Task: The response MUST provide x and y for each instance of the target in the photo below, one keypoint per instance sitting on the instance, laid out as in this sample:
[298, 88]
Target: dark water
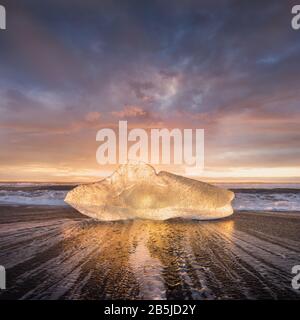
[56, 253]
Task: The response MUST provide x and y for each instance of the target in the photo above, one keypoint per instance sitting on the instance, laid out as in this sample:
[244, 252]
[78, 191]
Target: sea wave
[33, 197]
[275, 200]
[247, 197]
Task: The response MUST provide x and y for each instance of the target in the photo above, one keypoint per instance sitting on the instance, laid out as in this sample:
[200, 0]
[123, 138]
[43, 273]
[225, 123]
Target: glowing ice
[137, 191]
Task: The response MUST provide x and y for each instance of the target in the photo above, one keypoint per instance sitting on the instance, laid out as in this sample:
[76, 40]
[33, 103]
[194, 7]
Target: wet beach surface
[57, 253]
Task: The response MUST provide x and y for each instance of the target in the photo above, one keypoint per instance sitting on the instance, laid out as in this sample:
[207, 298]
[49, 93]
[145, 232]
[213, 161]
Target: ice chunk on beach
[135, 190]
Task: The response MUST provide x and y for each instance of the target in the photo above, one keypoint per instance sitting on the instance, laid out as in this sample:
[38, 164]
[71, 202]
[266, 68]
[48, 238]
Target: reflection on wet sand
[246, 256]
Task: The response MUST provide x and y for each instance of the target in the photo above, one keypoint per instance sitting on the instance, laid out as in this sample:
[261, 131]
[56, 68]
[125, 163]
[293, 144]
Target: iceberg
[137, 191]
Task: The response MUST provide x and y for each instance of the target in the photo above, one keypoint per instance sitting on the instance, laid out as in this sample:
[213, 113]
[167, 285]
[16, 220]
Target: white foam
[256, 199]
[274, 201]
[36, 197]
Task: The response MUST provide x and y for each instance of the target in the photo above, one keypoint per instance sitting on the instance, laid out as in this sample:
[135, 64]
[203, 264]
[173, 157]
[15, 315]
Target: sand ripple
[55, 253]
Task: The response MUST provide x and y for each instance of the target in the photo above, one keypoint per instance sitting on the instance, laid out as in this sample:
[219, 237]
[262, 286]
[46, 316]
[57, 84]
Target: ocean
[258, 197]
[51, 251]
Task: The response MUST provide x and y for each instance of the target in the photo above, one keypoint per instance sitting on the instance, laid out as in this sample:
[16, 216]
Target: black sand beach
[56, 253]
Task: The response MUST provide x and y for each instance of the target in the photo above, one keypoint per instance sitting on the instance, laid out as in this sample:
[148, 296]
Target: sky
[70, 68]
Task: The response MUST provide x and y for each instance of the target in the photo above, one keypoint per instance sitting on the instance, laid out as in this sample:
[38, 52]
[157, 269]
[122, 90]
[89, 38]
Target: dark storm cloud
[200, 63]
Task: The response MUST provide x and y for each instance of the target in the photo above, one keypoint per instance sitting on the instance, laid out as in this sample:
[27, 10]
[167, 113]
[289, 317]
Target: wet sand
[56, 253]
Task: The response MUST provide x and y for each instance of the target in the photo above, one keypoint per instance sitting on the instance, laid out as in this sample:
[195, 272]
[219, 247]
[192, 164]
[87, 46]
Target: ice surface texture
[137, 191]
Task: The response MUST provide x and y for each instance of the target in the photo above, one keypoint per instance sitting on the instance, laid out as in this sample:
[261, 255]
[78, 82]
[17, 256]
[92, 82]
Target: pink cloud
[130, 112]
[92, 116]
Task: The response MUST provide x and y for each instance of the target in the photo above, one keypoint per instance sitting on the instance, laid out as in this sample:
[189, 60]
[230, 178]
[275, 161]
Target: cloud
[67, 71]
[130, 112]
[92, 116]
[140, 89]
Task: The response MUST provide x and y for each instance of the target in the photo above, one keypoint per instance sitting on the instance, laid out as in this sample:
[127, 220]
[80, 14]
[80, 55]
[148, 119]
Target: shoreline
[56, 253]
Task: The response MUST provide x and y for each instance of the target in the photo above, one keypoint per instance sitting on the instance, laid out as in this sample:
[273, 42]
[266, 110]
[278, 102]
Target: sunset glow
[58, 89]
